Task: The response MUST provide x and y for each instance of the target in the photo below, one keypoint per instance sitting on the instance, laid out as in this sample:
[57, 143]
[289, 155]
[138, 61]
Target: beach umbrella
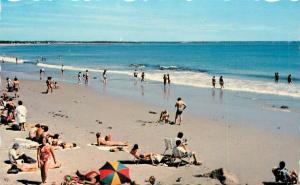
[114, 173]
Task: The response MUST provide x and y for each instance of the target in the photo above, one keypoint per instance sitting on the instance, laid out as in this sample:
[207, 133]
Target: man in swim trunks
[180, 105]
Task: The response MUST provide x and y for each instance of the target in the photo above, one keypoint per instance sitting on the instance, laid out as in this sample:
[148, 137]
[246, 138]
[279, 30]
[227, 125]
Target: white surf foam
[11, 59]
[202, 80]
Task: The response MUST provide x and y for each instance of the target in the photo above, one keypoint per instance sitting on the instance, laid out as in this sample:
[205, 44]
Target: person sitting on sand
[181, 139]
[185, 153]
[146, 156]
[164, 116]
[107, 141]
[284, 175]
[55, 86]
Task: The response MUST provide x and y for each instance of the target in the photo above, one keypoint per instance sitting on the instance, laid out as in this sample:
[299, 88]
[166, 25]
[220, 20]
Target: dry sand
[247, 152]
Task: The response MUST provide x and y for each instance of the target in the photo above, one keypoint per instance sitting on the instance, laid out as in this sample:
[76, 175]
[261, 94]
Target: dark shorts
[179, 112]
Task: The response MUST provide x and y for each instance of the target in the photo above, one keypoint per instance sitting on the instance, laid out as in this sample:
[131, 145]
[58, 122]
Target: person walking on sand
[180, 107]
[20, 115]
[221, 82]
[62, 69]
[49, 84]
[213, 81]
[16, 87]
[289, 79]
[44, 154]
[143, 77]
[104, 75]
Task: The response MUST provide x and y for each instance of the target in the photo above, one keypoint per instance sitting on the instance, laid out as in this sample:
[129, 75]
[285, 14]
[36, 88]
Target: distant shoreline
[9, 43]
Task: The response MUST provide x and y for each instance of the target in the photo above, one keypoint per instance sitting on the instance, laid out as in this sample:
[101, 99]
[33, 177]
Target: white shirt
[21, 113]
[13, 156]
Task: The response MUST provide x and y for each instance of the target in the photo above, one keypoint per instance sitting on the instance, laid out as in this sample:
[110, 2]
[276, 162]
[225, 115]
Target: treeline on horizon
[112, 42]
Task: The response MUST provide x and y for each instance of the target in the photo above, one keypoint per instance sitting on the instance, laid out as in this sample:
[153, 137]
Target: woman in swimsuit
[146, 156]
[44, 154]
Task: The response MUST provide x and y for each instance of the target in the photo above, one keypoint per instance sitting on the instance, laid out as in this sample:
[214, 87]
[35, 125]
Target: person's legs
[45, 171]
[42, 168]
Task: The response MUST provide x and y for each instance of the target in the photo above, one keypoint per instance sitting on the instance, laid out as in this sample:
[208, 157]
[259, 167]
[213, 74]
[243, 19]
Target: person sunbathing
[284, 175]
[146, 156]
[107, 141]
[164, 116]
[184, 152]
[33, 131]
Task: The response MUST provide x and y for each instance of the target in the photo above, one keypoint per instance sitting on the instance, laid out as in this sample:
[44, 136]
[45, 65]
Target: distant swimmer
[289, 79]
[180, 107]
[168, 79]
[135, 74]
[143, 77]
[221, 82]
[165, 79]
[62, 69]
[213, 81]
[42, 70]
[276, 77]
[104, 75]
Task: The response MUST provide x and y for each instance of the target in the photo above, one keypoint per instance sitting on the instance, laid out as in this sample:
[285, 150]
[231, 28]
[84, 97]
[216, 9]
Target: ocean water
[251, 97]
[245, 66]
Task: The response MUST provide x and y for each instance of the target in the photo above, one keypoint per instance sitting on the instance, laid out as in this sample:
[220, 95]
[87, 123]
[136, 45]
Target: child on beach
[21, 114]
[49, 84]
[16, 87]
[164, 116]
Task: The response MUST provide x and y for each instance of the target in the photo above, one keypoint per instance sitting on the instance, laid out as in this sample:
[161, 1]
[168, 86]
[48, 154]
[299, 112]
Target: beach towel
[108, 148]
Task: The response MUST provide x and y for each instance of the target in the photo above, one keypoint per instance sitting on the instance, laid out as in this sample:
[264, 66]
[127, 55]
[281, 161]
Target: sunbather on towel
[186, 152]
[146, 156]
[284, 175]
[107, 141]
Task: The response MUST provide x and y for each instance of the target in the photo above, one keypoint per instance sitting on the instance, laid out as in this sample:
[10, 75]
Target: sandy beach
[247, 152]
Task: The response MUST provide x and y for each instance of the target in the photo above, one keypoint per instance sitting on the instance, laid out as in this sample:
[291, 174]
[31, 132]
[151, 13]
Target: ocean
[247, 68]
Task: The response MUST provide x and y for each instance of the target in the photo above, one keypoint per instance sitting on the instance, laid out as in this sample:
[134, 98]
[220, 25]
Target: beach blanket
[108, 148]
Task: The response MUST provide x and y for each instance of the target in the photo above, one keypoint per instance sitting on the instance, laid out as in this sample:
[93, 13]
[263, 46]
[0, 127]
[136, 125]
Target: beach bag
[13, 170]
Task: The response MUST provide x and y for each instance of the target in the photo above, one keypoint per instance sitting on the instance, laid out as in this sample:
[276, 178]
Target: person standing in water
[221, 82]
[289, 79]
[143, 77]
[168, 79]
[213, 81]
[62, 70]
[180, 107]
[104, 75]
[165, 79]
[135, 74]
[276, 77]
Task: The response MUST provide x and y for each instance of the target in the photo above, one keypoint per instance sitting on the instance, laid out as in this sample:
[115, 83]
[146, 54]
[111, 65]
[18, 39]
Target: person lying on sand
[185, 153]
[164, 116]
[107, 141]
[284, 175]
[146, 156]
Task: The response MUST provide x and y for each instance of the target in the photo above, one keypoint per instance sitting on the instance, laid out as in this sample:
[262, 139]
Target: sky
[150, 20]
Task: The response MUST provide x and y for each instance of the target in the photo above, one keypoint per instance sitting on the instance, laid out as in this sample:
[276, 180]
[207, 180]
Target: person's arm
[52, 153]
[184, 106]
[38, 157]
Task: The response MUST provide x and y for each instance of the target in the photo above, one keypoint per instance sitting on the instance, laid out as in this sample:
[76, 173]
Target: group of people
[276, 78]
[83, 77]
[135, 75]
[13, 86]
[51, 85]
[180, 107]
[166, 78]
[221, 82]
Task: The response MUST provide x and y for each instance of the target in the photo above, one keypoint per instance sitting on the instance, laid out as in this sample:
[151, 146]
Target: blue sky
[150, 20]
